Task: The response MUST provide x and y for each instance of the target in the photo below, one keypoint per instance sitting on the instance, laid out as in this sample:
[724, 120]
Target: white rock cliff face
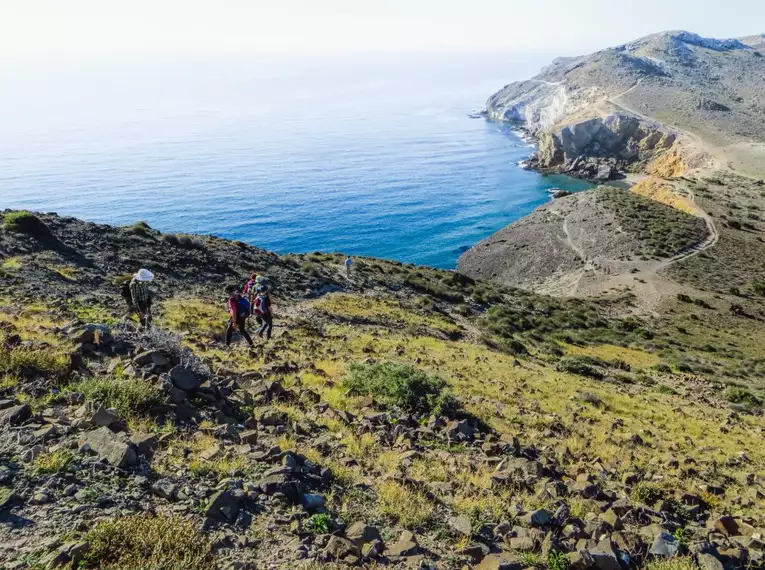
[538, 104]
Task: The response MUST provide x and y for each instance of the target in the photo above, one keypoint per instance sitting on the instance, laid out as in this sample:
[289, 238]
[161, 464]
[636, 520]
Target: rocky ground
[405, 417]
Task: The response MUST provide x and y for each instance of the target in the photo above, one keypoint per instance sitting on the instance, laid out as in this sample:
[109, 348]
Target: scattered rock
[105, 417]
[360, 533]
[222, 506]
[406, 546]
[342, 549]
[500, 562]
[604, 556]
[462, 524]
[165, 488]
[15, 415]
[185, 378]
[109, 447]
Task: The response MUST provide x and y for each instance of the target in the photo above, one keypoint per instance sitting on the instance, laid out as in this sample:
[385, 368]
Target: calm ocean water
[376, 158]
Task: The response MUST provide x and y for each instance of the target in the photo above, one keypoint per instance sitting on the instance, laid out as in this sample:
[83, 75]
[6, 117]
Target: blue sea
[369, 156]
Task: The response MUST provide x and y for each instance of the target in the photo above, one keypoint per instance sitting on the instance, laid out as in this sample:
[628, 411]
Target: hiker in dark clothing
[238, 310]
[141, 295]
[263, 310]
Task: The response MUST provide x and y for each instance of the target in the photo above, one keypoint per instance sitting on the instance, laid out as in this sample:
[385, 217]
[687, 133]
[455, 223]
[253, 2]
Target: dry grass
[149, 543]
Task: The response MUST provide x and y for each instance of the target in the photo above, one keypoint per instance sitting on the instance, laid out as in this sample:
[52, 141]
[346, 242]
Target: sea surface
[368, 156]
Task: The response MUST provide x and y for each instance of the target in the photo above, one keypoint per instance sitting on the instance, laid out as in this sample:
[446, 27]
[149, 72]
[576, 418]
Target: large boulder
[185, 378]
[502, 561]
[109, 447]
[223, 506]
[15, 415]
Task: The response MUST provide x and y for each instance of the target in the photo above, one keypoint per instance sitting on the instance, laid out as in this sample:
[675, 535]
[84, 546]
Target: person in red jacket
[238, 310]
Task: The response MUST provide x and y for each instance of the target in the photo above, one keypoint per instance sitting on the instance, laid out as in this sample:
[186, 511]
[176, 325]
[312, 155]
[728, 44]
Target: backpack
[248, 287]
[126, 294]
[261, 304]
[244, 307]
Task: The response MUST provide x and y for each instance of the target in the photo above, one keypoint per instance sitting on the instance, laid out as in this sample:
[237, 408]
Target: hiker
[249, 289]
[348, 263]
[239, 310]
[141, 295]
[263, 312]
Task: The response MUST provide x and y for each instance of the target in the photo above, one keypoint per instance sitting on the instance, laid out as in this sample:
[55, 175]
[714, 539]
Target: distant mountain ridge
[625, 105]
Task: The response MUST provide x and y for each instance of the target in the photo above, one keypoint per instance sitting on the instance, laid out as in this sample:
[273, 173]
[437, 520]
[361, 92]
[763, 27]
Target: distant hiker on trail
[141, 295]
[348, 263]
[263, 312]
[238, 310]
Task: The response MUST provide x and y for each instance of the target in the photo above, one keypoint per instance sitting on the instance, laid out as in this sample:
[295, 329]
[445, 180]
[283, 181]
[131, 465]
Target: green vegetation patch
[131, 397]
[149, 543]
[400, 385]
[25, 222]
[664, 230]
[738, 395]
[18, 359]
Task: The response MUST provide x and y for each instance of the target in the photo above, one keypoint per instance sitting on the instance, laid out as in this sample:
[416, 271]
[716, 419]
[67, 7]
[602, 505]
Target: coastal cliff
[618, 109]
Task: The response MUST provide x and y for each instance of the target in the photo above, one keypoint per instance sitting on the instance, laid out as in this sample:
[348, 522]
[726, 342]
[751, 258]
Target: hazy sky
[97, 29]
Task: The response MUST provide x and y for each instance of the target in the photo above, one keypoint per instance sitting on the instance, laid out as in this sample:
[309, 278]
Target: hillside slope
[571, 245]
[405, 417]
[624, 106]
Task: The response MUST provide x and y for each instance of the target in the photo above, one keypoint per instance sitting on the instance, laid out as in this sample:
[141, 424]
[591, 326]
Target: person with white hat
[141, 295]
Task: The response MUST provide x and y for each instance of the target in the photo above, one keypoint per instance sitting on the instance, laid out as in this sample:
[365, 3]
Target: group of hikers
[253, 301]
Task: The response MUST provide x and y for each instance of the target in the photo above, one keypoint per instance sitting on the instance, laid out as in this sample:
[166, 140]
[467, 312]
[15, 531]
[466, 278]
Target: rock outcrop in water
[617, 109]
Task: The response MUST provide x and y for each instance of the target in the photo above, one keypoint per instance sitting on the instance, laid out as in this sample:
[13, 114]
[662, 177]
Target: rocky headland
[614, 111]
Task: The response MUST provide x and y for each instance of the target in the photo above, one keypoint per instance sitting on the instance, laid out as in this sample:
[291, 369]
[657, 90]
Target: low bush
[149, 543]
[646, 493]
[17, 360]
[320, 523]
[52, 462]
[129, 396]
[183, 241]
[738, 395]
[141, 229]
[309, 269]
[400, 385]
[581, 365]
[25, 222]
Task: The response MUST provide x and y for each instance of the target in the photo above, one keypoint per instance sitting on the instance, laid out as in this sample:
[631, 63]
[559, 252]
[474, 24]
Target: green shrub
[129, 396]
[646, 493]
[759, 288]
[580, 365]
[557, 561]
[25, 222]
[149, 543]
[683, 298]
[141, 229]
[738, 395]
[15, 360]
[678, 563]
[664, 389]
[320, 523]
[309, 269]
[400, 385]
[183, 241]
[52, 462]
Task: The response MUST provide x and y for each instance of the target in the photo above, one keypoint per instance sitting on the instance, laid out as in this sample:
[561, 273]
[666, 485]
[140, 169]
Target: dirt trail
[643, 278]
